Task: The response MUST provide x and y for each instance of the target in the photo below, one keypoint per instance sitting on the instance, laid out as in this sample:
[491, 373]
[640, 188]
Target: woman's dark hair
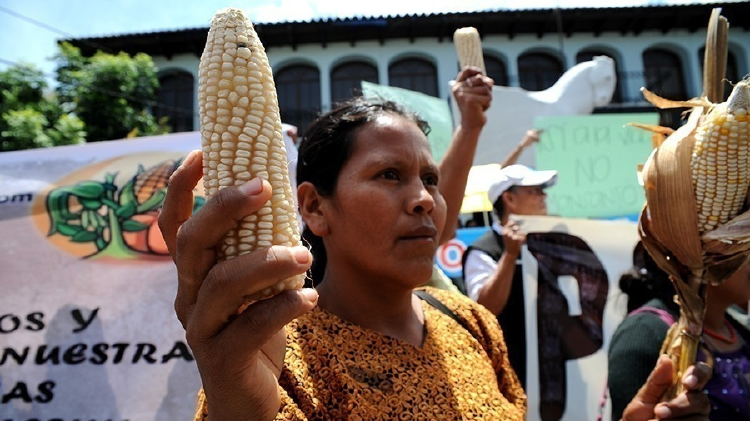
[646, 281]
[327, 145]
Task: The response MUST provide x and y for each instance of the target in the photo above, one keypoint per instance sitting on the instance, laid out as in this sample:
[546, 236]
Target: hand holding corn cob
[696, 222]
[242, 138]
[239, 355]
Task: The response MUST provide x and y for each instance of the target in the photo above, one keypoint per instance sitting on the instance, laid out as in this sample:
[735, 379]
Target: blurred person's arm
[490, 286]
[529, 138]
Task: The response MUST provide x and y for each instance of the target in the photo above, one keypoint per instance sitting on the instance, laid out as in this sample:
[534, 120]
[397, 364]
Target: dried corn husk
[692, 254]
[670, 232]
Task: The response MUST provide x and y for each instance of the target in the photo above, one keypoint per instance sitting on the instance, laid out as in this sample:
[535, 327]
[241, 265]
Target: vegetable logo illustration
[113, 216]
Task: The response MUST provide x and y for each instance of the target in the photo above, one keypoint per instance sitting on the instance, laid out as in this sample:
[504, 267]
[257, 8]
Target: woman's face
[386, 213]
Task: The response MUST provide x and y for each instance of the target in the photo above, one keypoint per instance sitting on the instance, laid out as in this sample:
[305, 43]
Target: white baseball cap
[519, 175]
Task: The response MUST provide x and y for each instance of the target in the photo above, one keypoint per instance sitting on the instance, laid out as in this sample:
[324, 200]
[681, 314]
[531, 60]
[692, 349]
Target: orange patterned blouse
[335, 370]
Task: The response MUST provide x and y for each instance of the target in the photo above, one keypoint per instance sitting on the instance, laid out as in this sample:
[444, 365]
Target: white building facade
[320, 62]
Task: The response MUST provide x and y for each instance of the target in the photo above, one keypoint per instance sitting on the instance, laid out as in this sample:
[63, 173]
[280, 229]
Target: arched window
[589, 55]
[497, 70]
[298, 88]
[346, 79]
[663, 76]
[414, 74]
[732, 75]
[538, 71]
[176, 100]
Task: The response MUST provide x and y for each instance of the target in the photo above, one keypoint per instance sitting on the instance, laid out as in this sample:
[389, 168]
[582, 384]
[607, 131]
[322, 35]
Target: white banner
[87, 327]
[571, 270]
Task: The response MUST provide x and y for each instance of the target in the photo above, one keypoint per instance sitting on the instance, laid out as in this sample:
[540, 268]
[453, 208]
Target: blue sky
[29, 29]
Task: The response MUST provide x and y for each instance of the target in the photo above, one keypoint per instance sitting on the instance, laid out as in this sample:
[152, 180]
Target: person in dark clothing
[652, 309]
[491, 265]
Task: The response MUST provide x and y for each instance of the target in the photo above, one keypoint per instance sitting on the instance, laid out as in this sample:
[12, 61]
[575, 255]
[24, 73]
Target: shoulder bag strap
[431, 300]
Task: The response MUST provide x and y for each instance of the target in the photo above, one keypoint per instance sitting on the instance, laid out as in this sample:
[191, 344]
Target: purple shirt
[729, 387]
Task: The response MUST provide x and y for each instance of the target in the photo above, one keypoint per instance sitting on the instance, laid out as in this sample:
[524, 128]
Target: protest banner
[87, 325]
[597, 158]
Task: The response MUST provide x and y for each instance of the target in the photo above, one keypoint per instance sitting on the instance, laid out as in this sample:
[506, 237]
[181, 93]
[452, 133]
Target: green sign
[433, 110]
[597, 158]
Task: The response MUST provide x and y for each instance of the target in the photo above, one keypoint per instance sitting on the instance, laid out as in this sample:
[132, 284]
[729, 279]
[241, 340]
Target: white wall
[626, 49]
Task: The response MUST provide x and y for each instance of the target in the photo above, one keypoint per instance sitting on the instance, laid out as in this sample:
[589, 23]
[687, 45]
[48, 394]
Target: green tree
[29, 117]
[112, 94]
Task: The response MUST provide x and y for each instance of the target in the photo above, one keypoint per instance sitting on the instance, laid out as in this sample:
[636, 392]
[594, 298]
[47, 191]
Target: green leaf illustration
[153, 202]
[126, 211]
[91, 204]
[198, 203]
[126, 194]
[68, 230]
[133, 226]
[84, 237]
[88, 190]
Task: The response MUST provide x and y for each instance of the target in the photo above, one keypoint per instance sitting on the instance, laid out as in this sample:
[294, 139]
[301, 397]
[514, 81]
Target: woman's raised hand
[473, 95]
[239, 354]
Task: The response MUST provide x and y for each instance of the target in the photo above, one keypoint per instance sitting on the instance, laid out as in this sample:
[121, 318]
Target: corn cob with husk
[469, 48]
[696, 223]
[242, 137]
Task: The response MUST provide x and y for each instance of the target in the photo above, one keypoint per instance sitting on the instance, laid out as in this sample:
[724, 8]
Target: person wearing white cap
[491, 265]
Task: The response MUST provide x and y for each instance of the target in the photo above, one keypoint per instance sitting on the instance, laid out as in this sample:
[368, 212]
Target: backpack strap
[664, 315]
[431, 300]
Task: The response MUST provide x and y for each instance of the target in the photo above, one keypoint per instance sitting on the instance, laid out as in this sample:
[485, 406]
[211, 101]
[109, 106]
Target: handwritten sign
[597, 157]
[434, 111]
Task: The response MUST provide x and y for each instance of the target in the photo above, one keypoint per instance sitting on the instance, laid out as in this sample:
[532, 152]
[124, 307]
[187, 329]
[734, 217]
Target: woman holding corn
[362, 346]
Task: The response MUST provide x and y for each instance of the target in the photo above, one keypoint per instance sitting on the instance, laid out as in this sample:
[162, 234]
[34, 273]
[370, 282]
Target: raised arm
[473, 95]
[529, 138]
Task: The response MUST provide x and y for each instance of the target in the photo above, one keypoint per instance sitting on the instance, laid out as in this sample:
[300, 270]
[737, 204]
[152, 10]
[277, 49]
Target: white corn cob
[242, 138]
[469, 48]
[721, 161]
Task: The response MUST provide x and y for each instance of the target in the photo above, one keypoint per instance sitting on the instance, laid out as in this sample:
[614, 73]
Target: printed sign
[597, 157]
